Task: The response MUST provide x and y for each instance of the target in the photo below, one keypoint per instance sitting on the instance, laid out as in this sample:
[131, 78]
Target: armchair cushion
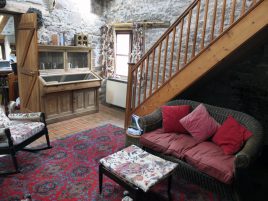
[171, 117]
[4, 121]
[3, 137]
[23, 131]
[231, 136]
[20, 132]
[200, 124]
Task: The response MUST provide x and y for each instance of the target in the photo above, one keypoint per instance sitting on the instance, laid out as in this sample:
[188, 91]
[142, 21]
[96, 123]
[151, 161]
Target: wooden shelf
[57, 47]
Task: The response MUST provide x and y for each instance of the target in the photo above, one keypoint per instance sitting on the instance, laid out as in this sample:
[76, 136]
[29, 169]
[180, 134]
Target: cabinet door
[78, 59]
[90, 98]
[51, 60]
[85, 100]
[58, 104]
[65, 102]
[78, 101]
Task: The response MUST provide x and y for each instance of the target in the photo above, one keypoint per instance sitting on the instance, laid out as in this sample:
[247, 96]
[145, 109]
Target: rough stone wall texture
[71, 17]
[145, 10]
[119, 11]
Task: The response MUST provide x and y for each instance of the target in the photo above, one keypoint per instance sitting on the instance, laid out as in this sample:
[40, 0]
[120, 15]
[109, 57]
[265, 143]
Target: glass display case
[64, 57]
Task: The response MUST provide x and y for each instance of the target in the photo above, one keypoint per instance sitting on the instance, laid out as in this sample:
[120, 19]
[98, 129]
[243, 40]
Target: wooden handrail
[156, 67]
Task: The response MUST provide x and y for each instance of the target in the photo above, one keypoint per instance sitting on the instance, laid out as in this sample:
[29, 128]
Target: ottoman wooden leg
[169, 187]
[100, 178]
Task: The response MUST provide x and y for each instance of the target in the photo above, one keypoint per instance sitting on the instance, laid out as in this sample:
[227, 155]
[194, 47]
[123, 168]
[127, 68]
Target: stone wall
[71, 17]
[118, 11]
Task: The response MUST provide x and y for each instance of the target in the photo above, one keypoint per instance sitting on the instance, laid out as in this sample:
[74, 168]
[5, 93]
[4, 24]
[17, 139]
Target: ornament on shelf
[80, 40]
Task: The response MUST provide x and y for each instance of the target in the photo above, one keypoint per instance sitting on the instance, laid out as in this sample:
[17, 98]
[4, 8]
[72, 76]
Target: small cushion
[209, 158]
[171, 116]
[231, 136]
[199, 123]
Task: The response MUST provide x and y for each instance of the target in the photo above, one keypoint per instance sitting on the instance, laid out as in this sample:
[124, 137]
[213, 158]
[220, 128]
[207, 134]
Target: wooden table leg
[100, 177]
[169, 187]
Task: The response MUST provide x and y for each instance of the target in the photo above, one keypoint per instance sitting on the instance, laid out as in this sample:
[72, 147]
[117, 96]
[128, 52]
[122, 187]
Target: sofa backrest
[219, 114]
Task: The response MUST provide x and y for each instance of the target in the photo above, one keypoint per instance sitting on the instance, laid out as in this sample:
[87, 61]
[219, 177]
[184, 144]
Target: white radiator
[116, 92]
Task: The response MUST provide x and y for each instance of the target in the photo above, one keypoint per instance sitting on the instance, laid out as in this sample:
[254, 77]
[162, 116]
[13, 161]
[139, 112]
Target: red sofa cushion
[180, 145]
[209, 158]
[158, 140]
[171, 116]
[231, 136]
[167, 143]
[200, 124]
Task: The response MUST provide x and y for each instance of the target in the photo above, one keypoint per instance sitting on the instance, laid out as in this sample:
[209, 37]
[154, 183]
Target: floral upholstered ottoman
[136, 170]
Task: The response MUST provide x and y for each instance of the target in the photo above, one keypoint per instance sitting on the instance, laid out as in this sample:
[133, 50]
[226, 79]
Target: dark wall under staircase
[240, 82]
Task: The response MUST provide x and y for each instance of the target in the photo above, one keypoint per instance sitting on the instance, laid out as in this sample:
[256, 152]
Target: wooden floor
[106, 114]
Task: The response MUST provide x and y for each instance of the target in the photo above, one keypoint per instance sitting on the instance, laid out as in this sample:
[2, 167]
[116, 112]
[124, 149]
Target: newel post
[129, 94]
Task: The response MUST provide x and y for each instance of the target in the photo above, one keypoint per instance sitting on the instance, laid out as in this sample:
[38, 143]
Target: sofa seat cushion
[180, 145]
[209, 158]
[168, 143]
[157, 140]
[25, 130]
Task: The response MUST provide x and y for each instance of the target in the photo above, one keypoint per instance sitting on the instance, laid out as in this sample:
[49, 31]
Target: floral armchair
[19, 130]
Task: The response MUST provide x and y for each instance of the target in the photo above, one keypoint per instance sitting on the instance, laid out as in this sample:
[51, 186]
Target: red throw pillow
[231, 136]
[200, 124]
[171, 116]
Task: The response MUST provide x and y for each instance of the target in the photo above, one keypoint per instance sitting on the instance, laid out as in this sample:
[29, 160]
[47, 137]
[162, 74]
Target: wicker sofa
[243, 159]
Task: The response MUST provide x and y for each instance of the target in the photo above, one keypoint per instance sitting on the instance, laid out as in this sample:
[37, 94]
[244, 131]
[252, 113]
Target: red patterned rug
[69, 171]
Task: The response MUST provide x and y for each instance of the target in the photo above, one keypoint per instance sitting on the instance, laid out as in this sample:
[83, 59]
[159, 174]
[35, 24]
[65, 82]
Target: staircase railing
[202, 23]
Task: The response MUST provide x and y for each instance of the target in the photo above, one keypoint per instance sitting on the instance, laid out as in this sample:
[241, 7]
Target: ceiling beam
[13, 7]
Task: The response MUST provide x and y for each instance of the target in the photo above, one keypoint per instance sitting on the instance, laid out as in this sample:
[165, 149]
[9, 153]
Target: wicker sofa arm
[34, 116]
[151, 121]
[252, 148]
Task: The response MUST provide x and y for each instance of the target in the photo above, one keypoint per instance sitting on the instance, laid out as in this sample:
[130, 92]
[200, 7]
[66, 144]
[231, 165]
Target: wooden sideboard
[63, 99]
[68, 87]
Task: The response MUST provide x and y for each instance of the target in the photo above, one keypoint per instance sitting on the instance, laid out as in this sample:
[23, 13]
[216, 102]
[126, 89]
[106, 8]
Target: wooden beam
[159, 24]
[206, 60]
[22, 7]
[3, 22]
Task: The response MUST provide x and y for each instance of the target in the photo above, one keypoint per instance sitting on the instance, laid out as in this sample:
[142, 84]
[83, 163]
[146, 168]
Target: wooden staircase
[206, 33]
